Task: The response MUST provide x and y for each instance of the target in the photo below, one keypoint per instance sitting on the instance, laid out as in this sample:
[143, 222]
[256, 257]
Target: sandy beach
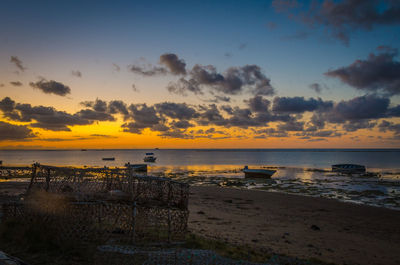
[292, 225]
[300, 226]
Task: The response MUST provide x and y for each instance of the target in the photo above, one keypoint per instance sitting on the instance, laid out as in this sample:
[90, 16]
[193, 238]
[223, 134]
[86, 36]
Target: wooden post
[34, 165]
[48, 179]
[133, 221]
[169, 224]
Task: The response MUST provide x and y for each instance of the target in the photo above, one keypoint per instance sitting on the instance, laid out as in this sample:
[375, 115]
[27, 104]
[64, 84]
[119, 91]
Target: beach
[297, 226]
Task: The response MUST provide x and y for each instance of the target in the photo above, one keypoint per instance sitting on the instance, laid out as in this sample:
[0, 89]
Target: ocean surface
[299, 171]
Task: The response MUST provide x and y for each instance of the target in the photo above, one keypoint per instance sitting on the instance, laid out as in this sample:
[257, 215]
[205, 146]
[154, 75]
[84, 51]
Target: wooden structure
[102, 204]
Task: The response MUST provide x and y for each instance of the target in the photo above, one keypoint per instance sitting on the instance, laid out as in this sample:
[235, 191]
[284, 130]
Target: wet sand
[293, 225]
[299, 226]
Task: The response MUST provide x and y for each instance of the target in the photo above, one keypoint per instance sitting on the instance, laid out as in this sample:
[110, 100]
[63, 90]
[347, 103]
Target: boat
[149, 157]
[137, 167]
[258, 173]
[348, 168]
[108, 158]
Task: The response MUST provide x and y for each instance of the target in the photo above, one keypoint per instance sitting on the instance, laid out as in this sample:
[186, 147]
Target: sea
[298, 171]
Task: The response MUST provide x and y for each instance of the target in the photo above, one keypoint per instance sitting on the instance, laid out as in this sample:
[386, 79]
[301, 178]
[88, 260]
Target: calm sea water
[315, 158]
[299, 171]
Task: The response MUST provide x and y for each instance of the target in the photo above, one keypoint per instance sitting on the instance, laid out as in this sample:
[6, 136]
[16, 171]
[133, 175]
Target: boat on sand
[348, 169]
[258, 173]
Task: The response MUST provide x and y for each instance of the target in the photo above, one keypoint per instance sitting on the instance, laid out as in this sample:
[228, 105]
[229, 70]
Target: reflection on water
[380, 190]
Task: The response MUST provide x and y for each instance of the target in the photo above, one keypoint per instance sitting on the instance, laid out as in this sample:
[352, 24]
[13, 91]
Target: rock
[315, 228]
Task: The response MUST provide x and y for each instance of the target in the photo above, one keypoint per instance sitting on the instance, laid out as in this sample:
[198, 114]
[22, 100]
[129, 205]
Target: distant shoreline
[228, 149]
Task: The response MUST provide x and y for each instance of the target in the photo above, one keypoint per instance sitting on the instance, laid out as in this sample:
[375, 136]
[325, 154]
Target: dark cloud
[299, 104]
[143, 117]
[258, 104]
[117, 106]
[10, 131]
[176, 110]
[92, 115]
[385, 126]
[18, 63]
[291, 126]
[134, 88]
[358, 108]
[235, 80]
[76, 73]
[341, 18]
[16, 83]
[147, 71]
[357, 125]
[183, 124]
[379, 72]
[175, 65]
[182, 86]
[49, 118]
[316, 87]
[51, 87]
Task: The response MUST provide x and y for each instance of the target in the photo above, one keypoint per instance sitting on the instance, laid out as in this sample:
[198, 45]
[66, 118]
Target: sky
[200, 74]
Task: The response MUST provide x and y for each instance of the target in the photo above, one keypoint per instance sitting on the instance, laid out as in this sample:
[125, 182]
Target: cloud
[341, 18]
[235, 80]
[385, 126]
[147, 71]
[258, 104]
[49, 118]
[242, 46]
[51, 87]
[378, 73]
[134, 88]
[316, 87]
[18, 63]
[299, 104]
[182, 86]
[117, 106]
[179, 111]
[359, 108]
[175, 65]
[143, 117]
[284, 5]
[116, 67]
[16, 83]
[10, 131]
[76, 73]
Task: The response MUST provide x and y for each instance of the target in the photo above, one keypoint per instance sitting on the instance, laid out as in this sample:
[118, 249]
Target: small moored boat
[149, 157]
[348, 168]
[108, 158]
[258, 173]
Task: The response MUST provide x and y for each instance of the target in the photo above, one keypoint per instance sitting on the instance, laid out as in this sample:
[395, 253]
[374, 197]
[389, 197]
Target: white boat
[348, 168]
[258, 173]
[149, 157]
